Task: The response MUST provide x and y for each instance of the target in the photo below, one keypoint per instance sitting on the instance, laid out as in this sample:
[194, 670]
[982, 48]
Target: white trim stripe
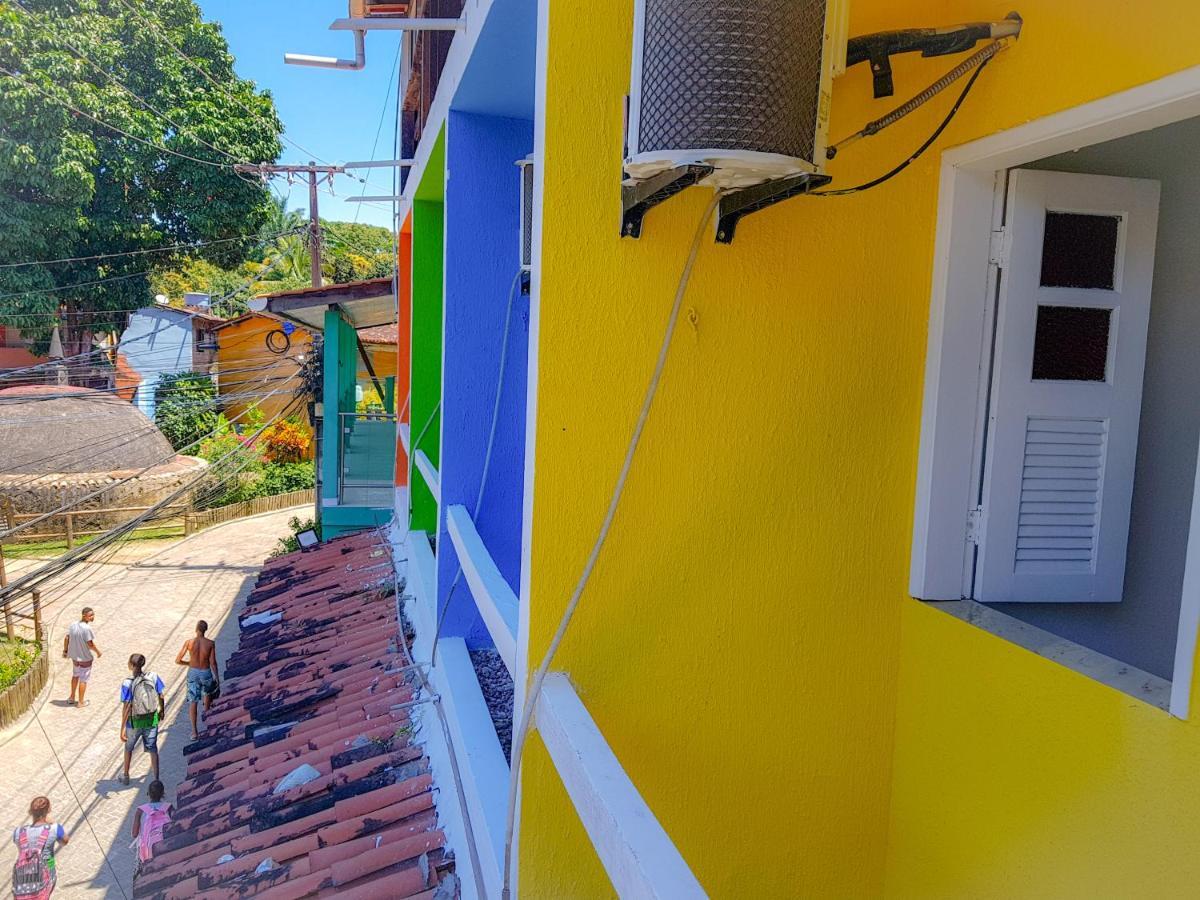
[495, 599]
[432, 480]
[638, 855]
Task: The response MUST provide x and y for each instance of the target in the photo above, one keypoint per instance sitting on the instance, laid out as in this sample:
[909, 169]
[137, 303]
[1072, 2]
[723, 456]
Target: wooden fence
[20, 696]
[69, 532]
[193, 522]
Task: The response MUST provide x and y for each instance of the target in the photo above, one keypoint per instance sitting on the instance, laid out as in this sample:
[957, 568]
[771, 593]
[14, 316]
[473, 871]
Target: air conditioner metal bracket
[739, 204]
[639, 198]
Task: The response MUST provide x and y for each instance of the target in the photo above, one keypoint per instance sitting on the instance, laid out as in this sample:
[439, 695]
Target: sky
[332, 113]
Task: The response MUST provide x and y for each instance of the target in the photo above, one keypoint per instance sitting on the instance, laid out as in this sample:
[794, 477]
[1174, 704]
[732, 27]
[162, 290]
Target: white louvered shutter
[1073, 312]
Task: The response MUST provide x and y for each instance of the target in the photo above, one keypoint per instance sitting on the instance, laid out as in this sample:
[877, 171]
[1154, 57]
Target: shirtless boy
[199, 654]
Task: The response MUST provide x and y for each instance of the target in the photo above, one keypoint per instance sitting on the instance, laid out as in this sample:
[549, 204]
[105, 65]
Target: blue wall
[156, 341]
[482, 257]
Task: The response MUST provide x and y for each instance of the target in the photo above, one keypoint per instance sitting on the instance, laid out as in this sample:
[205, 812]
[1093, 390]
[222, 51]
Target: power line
[112, 78]
[94, 494]
[64, 562]
[153, 26]
[379, 127]
[82, 284]
[192, 246]
[90, 117]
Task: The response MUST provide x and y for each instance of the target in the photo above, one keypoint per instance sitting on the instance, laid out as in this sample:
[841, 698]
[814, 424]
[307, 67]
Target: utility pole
[314, 225]
[315, 174]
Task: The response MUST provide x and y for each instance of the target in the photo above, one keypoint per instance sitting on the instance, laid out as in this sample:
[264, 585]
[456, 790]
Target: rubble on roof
[307, 781]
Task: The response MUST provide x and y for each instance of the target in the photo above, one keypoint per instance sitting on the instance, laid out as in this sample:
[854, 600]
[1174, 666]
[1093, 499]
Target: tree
[279, 261]
[72, 185]
[185, 407]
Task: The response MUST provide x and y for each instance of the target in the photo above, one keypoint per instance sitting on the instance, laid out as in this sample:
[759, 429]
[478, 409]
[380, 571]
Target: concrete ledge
[1108, 671]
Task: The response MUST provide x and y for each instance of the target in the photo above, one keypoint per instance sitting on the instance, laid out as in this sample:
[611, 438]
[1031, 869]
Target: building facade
[905, 574]
[259, 357]
[165, 340]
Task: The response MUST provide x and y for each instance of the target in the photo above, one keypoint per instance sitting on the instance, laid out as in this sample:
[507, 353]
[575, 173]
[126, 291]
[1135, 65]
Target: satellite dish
[162, 299]
[257, 304]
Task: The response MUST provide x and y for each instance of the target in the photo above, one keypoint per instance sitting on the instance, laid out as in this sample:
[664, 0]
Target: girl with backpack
[142, 699]
[149, 821]
[34, 875]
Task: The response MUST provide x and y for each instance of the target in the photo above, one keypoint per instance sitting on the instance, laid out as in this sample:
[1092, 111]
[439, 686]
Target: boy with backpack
[149, 822]
[35, 874]
[142, 696]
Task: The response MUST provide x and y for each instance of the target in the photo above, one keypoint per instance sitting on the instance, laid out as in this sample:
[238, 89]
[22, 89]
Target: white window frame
[957, 360]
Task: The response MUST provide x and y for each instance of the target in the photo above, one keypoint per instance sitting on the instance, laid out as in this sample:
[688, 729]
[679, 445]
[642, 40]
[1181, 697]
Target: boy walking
[199, 654]
[79, 646]
[142, 697]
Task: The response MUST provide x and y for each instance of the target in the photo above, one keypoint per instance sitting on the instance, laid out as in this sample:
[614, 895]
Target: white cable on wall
[487, 456]
[539, 677]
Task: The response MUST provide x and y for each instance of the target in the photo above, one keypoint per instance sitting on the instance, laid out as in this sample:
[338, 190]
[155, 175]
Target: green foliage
[245, 472]
[283, 478]
[16, 658]
[281, 262]
[290, 544]
[183, 407]
[71, 186]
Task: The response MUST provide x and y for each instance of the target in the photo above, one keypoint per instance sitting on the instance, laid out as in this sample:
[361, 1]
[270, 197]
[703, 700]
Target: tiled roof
[379, 334]
[318, 680]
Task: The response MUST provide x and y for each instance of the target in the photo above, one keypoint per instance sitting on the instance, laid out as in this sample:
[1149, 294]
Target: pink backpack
[155, 818]
[31, 875]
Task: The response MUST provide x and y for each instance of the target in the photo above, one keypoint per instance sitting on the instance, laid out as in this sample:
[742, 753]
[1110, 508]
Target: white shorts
[83, 673]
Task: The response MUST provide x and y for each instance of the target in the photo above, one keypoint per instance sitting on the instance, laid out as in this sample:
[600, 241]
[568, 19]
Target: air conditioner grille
[527, 215]
[732, 74]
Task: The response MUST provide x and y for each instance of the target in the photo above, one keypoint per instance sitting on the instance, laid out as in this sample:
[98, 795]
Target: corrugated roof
[323, 685]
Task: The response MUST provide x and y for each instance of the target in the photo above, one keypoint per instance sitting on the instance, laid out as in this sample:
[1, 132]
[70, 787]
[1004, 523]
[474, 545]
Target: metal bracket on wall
[639, 198]
[738, 204]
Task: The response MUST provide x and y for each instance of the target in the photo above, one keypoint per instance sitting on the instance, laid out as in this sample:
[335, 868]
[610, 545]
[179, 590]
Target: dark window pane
[1071, 343]
[1080, 251]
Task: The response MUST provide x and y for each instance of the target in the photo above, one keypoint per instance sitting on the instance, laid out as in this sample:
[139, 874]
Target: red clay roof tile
[316, 687]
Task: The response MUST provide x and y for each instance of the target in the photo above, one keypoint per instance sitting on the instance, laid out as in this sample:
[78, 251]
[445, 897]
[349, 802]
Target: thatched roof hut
[59, 429]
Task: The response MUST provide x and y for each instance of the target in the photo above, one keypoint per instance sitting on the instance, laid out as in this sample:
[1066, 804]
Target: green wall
[427, 256]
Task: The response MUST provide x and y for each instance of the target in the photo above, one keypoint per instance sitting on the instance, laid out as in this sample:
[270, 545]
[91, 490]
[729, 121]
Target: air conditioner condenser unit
[742, 86]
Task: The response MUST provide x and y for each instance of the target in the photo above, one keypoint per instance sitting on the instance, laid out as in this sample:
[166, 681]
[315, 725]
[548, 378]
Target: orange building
[14, 350]
[258, 361]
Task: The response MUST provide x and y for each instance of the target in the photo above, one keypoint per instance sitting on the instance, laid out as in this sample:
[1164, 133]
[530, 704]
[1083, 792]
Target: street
[150, 607]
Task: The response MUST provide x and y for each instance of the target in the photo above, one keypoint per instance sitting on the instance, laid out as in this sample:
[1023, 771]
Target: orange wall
[241, 348]
[403, 341]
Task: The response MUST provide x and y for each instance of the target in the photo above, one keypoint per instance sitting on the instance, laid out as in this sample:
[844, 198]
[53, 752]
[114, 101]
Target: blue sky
[332, 113]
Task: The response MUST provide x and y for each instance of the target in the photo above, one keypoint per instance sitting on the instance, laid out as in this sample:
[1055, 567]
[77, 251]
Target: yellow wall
[1016, 777]
[383, 361]
[241, 348]
[740, 643]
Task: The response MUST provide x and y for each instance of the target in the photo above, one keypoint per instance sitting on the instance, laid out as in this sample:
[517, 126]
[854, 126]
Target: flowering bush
[284, 442]
[245, 467]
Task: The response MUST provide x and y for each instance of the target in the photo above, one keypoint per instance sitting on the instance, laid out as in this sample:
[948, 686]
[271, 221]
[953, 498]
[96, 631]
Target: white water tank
[742, 85]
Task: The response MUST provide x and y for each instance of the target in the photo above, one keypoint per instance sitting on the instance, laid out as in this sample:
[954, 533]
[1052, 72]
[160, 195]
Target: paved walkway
[149, 608]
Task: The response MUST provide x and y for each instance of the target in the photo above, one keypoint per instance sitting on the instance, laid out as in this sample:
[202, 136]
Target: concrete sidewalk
[148, 608]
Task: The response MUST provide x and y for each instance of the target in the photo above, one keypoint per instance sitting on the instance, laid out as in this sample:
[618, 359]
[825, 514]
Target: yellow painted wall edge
[740, 645]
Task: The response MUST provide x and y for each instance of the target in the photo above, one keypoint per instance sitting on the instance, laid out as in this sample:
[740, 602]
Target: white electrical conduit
[535, 687]
[487, 456]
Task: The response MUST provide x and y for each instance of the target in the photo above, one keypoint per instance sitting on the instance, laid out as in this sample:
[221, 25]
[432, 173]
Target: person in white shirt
[79, 646]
